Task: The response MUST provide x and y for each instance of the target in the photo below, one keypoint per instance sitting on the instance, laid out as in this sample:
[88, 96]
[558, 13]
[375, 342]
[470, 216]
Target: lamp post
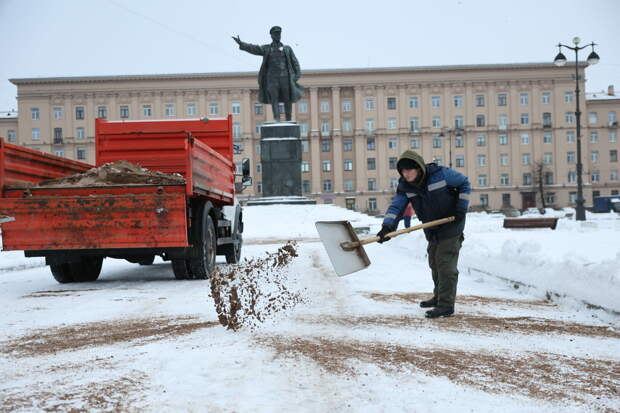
[560, 60]
[456, 131]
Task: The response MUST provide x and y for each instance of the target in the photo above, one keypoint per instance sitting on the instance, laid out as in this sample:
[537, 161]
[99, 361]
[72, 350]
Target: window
[370, 144]
[503, 139]
[506, 200]
[391, 123]
[370, 104]
[324, 106]
[436, 122]
[595, 176]
[259, 168]
[124, 111]
[525, 139]
[59, 152]
[612, 136]
[305, 166]
[57, 113]
[570, 157]
[415, 142]
[393, 183]
[257, 147]
[503, 122]
[348, 165]
[169, 109]
[35, 114]
[413, 102]
[326, 145]
[236, 130]
[57, 136]
[327, 166]
[458, 101]
[236, 108]
[80, 153]
[436, 141]
[570, 137]
[393, 143]
[414, 124]
[305, 146]
[525, 119]
[460, 161]
[347, 145]
[546, 119]
[572, 177]
[484, 200]
[190, 109]
[592, 117]
[372, 204]
[302, 106]
[613, 175]
[391, 103]
[568, 117]
[392, 162]
[348, 185]
[547, 158]
[524, 98]
[238, 149]
[347, 106]
[371, 164]
[372, 184]
[546, 98]
[303, 129]
[147, 111]
[370, 126]
[502, 99]
[482, 180]
[527, 178]
[79, 113]
[568, 97]
[435, 101]
[36, 134]
[324, 127]
[613, 155]
[480, 121]
[346, 125]
[504, 180]
[458, 141]
[213, 109]
[258, 109]
[481, 140]
[305, 186]
[259, 187]
[327, 185]
[593, 136]
[480, 100]
[525, 159]
[547, 138]
[611, 117]
[503, 159]
[550, 198]
[548, 178]
[102, 112]
[482, 160]
[11, 136]
[80, 133]
[459, 122]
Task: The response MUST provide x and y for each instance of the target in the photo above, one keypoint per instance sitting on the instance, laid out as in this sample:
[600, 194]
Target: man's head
[276, 33]
[411, 167]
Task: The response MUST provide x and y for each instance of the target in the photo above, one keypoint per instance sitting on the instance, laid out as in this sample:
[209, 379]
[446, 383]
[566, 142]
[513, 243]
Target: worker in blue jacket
[435, 192]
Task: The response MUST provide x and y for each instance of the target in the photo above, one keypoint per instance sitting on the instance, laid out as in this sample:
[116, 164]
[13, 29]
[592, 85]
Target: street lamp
[456, 131]
[560, 60]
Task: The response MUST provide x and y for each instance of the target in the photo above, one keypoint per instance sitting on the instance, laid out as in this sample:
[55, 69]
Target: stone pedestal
[280, 149]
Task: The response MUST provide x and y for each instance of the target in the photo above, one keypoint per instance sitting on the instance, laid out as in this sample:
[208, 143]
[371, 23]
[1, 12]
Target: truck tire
[205, 245]
[233, 251]
[181, 270]
[85, 270]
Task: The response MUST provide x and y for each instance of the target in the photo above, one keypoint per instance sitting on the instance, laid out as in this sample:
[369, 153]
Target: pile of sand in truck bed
[113, 174]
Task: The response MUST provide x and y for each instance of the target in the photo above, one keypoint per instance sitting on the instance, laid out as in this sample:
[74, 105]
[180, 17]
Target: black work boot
[440, 312]
[429, 303]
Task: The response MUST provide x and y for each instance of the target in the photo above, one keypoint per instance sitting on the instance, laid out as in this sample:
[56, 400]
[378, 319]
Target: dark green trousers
[443, 257]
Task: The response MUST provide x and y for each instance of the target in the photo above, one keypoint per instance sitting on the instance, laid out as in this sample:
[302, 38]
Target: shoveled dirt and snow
[537, 327]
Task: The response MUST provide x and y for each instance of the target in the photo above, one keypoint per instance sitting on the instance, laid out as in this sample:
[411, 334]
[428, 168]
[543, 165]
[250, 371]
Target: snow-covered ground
[139, 340]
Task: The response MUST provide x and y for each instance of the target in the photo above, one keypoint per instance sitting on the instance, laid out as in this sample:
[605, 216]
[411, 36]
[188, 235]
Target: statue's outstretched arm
[248, 47]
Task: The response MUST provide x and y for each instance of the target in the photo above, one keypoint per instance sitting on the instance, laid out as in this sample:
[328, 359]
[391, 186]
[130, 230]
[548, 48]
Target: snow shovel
[346, 251]
[4, 218]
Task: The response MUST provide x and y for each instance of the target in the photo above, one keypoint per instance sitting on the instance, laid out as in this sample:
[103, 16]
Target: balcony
[58, 141]
[547, 125]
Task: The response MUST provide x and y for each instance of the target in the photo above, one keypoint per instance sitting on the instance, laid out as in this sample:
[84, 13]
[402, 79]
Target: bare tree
[538, 173]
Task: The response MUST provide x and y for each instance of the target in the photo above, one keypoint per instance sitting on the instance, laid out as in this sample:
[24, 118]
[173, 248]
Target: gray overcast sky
[43, 38]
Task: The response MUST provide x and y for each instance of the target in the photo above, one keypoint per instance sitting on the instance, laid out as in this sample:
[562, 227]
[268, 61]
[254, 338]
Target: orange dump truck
[188, 221]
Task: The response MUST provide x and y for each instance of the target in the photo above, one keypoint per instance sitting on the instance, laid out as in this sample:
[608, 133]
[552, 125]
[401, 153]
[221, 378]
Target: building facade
[510, 127]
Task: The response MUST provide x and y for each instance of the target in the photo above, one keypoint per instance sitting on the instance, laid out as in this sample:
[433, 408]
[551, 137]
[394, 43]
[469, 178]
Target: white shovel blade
[4, 218]
[334, 233]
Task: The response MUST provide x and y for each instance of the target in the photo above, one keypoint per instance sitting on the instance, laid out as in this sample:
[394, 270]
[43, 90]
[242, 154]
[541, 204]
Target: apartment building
[508, 127]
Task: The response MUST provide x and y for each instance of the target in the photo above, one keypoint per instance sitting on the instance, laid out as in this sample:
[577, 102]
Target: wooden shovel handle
[404, 231]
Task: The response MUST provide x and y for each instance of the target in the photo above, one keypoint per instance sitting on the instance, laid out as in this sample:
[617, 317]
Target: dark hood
[417, 158]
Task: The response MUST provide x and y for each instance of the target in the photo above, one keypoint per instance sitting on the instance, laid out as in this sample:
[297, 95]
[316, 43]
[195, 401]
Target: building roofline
[169, 76]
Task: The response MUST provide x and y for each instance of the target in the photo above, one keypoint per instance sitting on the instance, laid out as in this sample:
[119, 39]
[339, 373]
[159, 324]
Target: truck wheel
[233, 251]
[61, 273]
[204, 242]
[87, 269]
[181, 270]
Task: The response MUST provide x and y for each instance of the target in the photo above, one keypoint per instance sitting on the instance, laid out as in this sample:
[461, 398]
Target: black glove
[385, 229]
[459, 216]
